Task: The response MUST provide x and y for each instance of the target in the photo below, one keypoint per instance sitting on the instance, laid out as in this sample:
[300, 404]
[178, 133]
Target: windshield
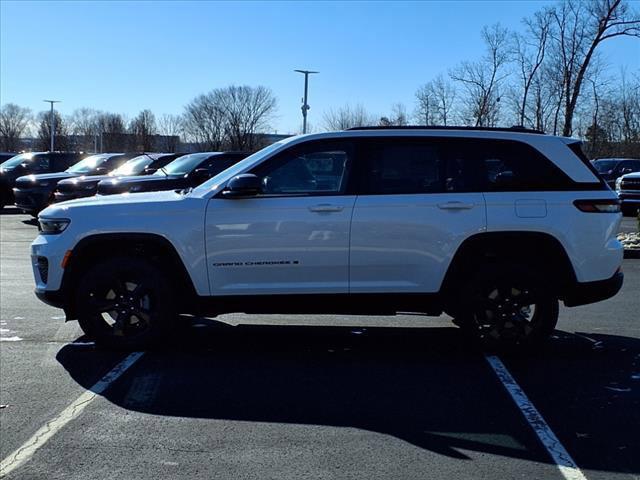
[238, 167]
[134, 166]
[603, 166]
[13, 162]
[183, 165]
[88, 164]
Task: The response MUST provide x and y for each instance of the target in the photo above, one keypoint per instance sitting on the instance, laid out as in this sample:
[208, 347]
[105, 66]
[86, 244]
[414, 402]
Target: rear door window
[397, 166]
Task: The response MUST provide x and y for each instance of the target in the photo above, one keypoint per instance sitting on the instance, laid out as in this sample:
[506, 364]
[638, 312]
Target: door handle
[326, 207]
[455, 206]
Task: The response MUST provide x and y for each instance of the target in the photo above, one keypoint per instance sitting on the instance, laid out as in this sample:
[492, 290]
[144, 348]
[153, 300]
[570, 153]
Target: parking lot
[293, 397]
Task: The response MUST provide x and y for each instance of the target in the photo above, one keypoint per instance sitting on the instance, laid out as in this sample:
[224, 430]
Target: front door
[294, 236]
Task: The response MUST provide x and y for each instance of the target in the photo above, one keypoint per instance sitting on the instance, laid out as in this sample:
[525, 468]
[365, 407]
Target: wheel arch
[535, 249]
[152, 247]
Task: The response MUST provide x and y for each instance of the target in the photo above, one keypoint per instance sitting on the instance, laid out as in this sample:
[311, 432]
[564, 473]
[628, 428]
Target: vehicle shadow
[10, 211]
[426, 386]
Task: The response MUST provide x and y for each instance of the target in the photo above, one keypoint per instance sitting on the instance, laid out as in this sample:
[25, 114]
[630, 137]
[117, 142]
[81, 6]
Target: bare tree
[348, 117]
[230, 118]
[529, 50]
[143, 128]
[83, 123]
[14, 122]
[61, 141]
[397, 118]
[112, 131]
[247, 112]
[170, 126]
[579, 29]
[204, 122]
[435, 101]
[482, 79]
[629, 109]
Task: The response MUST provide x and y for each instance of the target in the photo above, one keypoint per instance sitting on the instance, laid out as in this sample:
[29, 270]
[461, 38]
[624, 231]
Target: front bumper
[629, 197]
[50, 297]
[583, 293]
[31, 200]
[64, 196]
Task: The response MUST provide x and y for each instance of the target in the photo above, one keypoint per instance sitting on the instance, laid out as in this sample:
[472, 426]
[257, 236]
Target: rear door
[416, 204]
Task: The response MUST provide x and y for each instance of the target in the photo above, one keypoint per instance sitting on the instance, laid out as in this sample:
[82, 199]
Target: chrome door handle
[325, 207]
[455, 206]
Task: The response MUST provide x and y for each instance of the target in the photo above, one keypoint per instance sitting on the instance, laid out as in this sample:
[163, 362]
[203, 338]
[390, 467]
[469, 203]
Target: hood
[142, 179]
[84, 179]
[72, 184]
[43, 177]
[629, 176]
[62, 209]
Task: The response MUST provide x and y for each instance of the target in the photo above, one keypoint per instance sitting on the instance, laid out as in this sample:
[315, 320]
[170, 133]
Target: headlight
[53, 226]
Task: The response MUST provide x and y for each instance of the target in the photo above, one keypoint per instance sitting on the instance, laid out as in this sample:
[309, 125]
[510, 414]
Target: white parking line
[27, 449]
[567, 466]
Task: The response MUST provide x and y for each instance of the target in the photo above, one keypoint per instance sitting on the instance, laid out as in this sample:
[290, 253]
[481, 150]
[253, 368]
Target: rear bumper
[583, 293]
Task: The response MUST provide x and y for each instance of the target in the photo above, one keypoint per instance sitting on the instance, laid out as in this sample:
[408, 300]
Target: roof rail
[515, 128]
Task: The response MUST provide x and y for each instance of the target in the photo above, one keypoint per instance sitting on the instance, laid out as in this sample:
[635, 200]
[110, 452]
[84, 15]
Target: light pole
[305, 105]
[52, 122]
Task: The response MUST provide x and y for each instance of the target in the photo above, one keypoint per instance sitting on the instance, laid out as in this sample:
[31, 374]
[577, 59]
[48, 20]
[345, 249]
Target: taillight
[598, 206]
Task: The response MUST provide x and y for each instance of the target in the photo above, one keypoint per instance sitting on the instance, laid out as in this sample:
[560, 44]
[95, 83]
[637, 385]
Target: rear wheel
[125, 303]
[507, 307]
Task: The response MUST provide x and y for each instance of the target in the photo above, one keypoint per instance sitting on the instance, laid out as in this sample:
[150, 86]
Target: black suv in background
[184, 172]
[33, 193]
[610, 169]
[87, 186]
[31, 163]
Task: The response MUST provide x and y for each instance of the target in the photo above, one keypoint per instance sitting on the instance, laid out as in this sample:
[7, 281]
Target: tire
[125, 303]
[507, 308]
[629, 210]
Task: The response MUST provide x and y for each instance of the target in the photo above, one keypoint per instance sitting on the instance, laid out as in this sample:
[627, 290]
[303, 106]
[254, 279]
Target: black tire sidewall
[546, 307]
[141, 270]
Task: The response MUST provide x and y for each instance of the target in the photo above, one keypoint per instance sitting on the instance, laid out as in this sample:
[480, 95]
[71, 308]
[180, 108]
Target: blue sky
[126, 56]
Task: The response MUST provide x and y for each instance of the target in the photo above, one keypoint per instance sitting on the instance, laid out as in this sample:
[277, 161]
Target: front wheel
[125, 303]
[508, 307]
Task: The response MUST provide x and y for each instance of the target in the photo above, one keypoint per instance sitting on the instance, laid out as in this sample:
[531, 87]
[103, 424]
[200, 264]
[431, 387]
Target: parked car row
[35, 180]
[623, 175]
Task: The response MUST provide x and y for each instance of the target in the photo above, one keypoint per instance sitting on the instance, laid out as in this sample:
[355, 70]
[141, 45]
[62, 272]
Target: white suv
[492, 226]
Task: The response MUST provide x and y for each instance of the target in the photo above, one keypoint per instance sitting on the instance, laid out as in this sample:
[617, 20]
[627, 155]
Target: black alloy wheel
[125, 303]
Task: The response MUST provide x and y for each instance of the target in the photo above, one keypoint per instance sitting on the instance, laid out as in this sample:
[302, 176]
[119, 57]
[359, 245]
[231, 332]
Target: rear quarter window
[515, 166]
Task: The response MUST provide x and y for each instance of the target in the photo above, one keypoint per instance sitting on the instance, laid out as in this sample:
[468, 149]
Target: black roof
[515, 128]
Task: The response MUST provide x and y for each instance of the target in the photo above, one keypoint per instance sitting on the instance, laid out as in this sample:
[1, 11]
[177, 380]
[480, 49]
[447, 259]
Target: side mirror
[200, 175]
[245, 185]
[102, 171]
[626, 170]
[505, 179]
[150, 171]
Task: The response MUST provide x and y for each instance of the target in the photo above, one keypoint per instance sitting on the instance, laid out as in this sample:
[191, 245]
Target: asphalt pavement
[317, 397]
